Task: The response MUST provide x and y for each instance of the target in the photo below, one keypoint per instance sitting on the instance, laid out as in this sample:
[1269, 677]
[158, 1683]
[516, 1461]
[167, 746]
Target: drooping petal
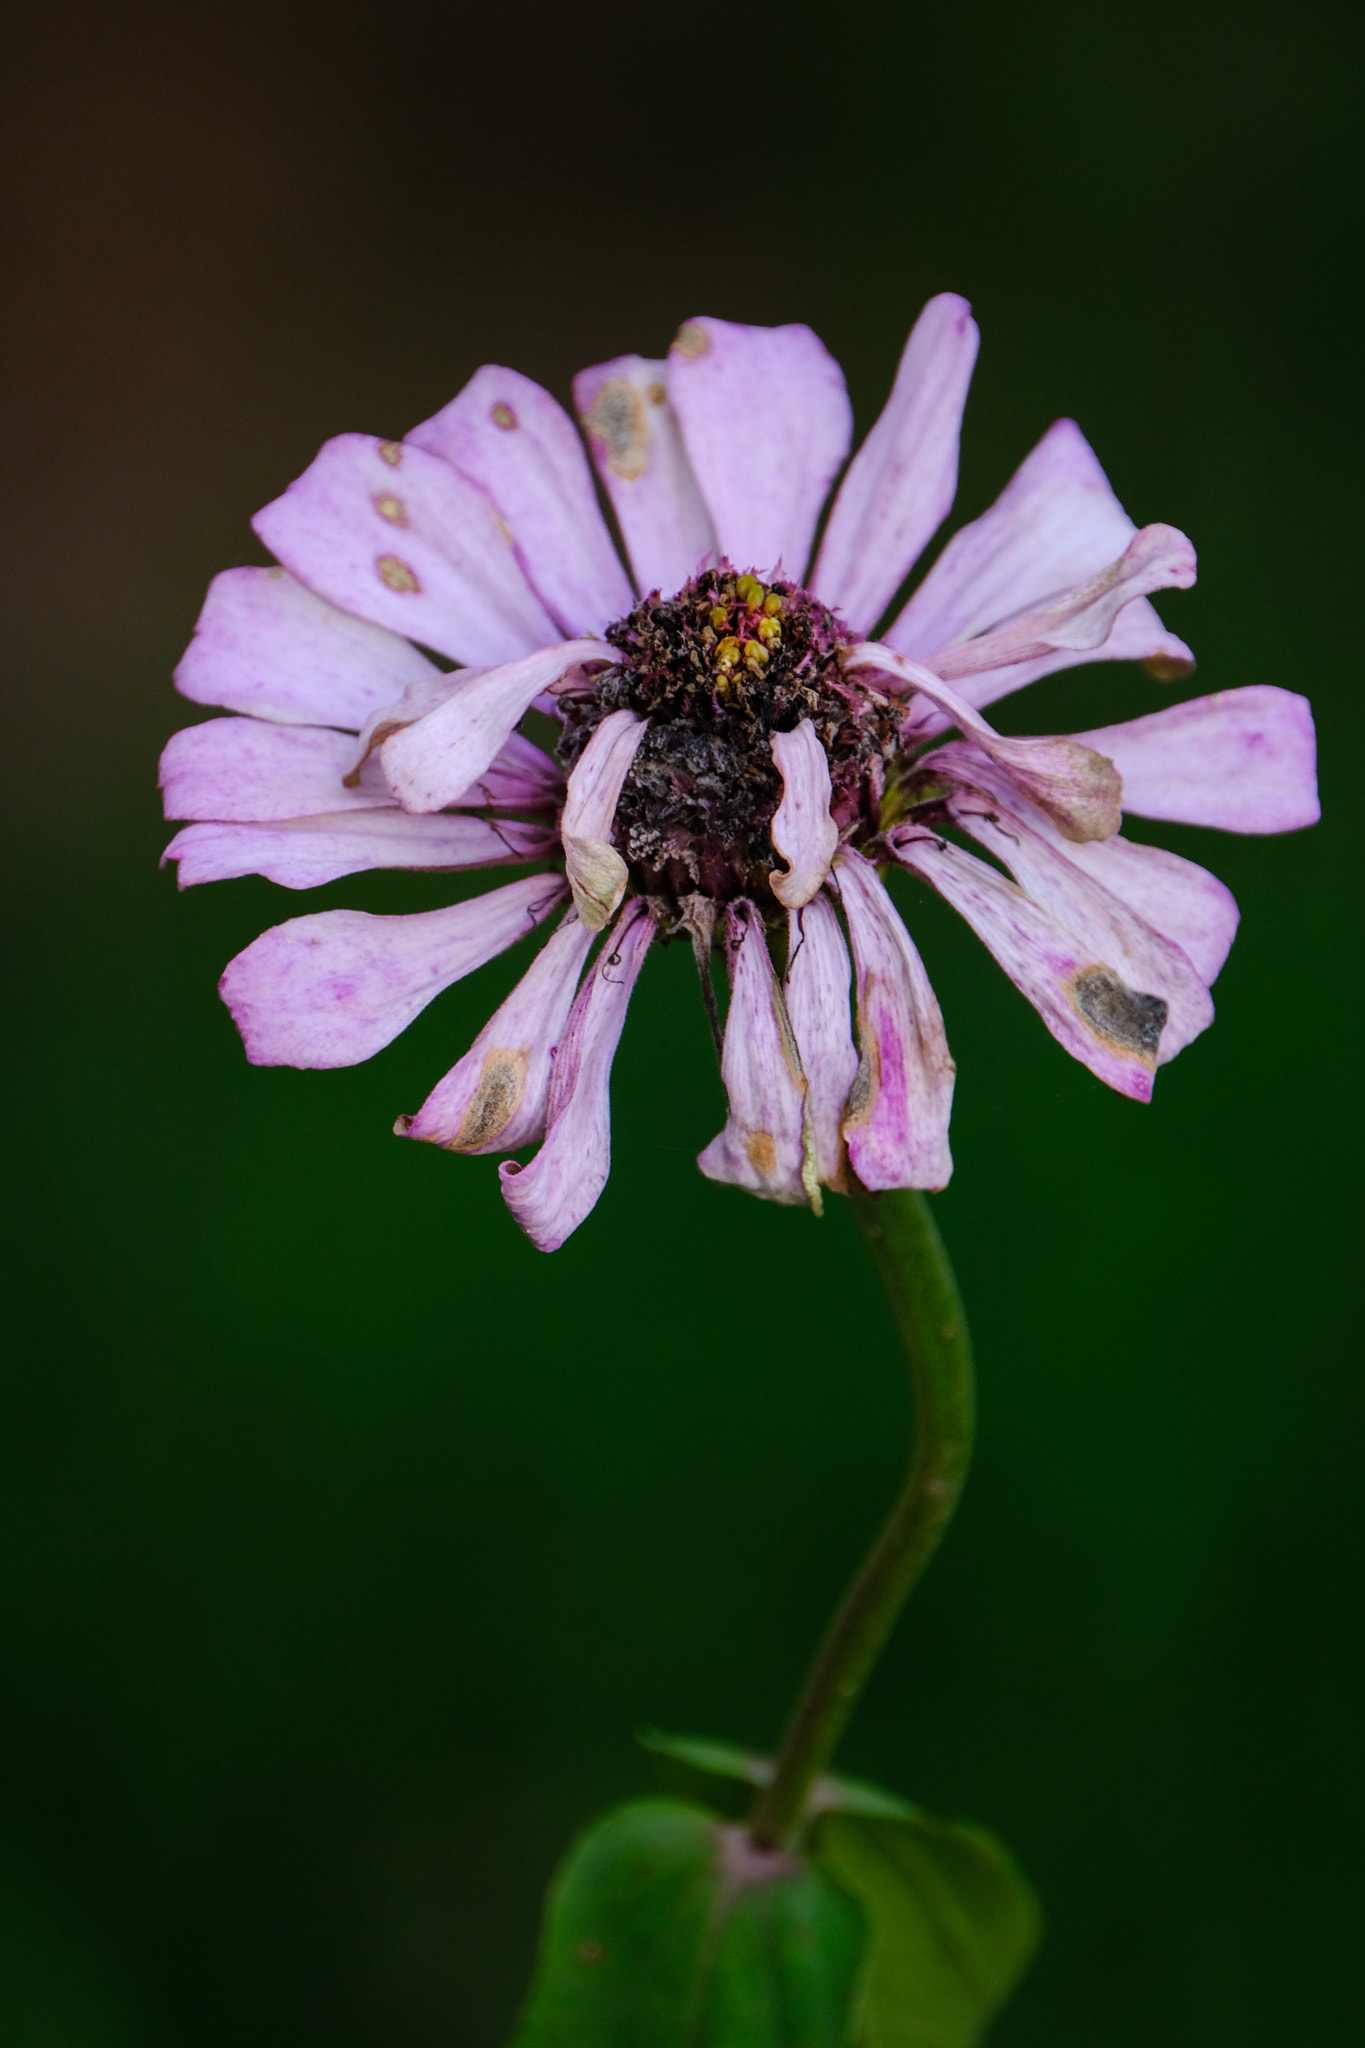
[803, 832]
[766, 422]
[597, 873]
[762, 1146]
[399, 537]
[303, 853]
[266, 645]
[335, 988]
[432, 763]
[244, 769]
[902, 481]
[553, 1193]
[1137, 634]
[1244, 760]
[896, 1119]
[520, 776]
[495, 1098]
[506, 434]
[1113, 1029]
[817, 987]
[633, 434]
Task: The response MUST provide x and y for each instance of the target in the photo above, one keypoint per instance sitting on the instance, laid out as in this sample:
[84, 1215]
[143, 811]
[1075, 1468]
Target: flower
[738, 757]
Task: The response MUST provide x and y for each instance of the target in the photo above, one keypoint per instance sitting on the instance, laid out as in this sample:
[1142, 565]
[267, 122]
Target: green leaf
[719, 1775]
[665, 1928]
[952, 1922]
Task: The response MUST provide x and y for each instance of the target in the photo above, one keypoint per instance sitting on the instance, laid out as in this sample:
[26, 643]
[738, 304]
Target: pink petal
[762, 1146]
[803, 832]
[597, 873]
[1137, 634]
[766, 422]
[551, 1196]
[1244, 760]
[519, 445]
[432, 763]
[903, 479]
[495, 1099]
[817, 985]
[633, 434]
[521, 776]
[397, 536]
[242, 768]
[303, 853]
[1113, 1029]
[896, 1119]
[335, 988]
[266, 645]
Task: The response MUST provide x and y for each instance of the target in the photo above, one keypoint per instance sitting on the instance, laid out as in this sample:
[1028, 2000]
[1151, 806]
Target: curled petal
[1137, 634]
[903, 479]
[896, 1119]
[521, 776]
[803, 832]
[495, 1098]
[303, 853]
[1244, 760]
[597, 873]
[766, 422]
[518, 444]
[553, 1193]
[762, 1147]
[633, 433]
[329, 990]
[817, 987]
[242, 769]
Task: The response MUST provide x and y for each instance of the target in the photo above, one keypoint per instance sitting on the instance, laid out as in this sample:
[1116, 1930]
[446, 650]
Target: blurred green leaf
[952, 1922]
[666, 1929]
[719, 1775]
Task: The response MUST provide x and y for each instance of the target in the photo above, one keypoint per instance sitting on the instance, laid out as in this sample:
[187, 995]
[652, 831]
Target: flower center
[715, 671]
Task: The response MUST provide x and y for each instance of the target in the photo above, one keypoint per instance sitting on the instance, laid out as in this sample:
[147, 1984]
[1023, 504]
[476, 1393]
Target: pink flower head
[744, 742]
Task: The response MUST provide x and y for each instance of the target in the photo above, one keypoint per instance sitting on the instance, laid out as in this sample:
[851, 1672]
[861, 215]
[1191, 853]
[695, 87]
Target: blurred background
[344, 1539]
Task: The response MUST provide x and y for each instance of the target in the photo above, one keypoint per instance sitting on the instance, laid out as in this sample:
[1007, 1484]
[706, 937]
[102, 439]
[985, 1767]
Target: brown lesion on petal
[762, 1151]
[1127, 1019]
[617, 418]
[396, 574]
[391, 508]
[863, 1094]
[691, 340]
[391, 452]
[1168, 668]
[494, 1102]
[503, 416]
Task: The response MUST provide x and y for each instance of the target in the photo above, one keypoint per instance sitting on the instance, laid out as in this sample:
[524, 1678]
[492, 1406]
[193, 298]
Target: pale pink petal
[766, 422]
[329, 990]
[817, 986]
[399, 537]
[1136, 635]
[520, 776]
[803, 832]
[896, 1119]
[553, 1193]
[762, 1146]
[597, 873]
[418, 699]
[1086, 1005]
[244, 769]
[518, 444]
[902, 481]
[633, 434]
[432, 763]
[1244, 760]
[266, 645]
[303, 853]
[495, 1099]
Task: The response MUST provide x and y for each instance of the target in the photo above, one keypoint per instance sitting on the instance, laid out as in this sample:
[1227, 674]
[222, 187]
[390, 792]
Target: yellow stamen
[720, 617]
[769, 630]
[755, 655]
[772, 603]
[727, 654]
[750, 590]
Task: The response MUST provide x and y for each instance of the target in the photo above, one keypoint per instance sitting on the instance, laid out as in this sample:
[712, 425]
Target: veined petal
[817, 987]
[506, 434]
[762, 1146]
[335, 988]
[633, 434]
[402, 539]
[902, 481]
[597, 873]
[521, 776]
[245, 769]
[766, 422]
[553, 1193]
[266, 645]
[303, 853]
[495, 1098]
[432, 763]
[896, 1119]
[803, 832]
[1244, 760]
[1137, 634]
[1113, 1029]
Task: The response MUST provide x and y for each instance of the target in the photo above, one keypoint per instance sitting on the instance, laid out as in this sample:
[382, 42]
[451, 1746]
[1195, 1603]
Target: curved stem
[909, 1255]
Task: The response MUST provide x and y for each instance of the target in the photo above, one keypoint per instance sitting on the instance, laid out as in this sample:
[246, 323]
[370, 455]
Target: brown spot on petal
[656, 393]
[390, 508]
[392, 452]
[762, 1152]
[1168, 668]
[396, 574]
[1125, 1018]
[503, 416]
[618, 418]
[863, 1094]
[494, 1102]
[691, 340]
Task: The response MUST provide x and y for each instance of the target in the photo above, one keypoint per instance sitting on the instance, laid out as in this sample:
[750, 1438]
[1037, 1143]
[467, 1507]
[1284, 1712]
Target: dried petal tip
[803, 832]
[597, 873]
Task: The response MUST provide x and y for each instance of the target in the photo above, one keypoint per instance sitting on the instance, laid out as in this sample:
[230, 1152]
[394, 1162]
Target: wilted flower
[737, 755]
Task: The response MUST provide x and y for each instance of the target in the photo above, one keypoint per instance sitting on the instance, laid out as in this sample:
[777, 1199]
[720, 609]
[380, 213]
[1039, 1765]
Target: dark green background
[345, 1538]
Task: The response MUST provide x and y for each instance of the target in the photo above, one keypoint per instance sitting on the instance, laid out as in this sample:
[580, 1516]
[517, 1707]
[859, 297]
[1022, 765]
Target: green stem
[909, 1255]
